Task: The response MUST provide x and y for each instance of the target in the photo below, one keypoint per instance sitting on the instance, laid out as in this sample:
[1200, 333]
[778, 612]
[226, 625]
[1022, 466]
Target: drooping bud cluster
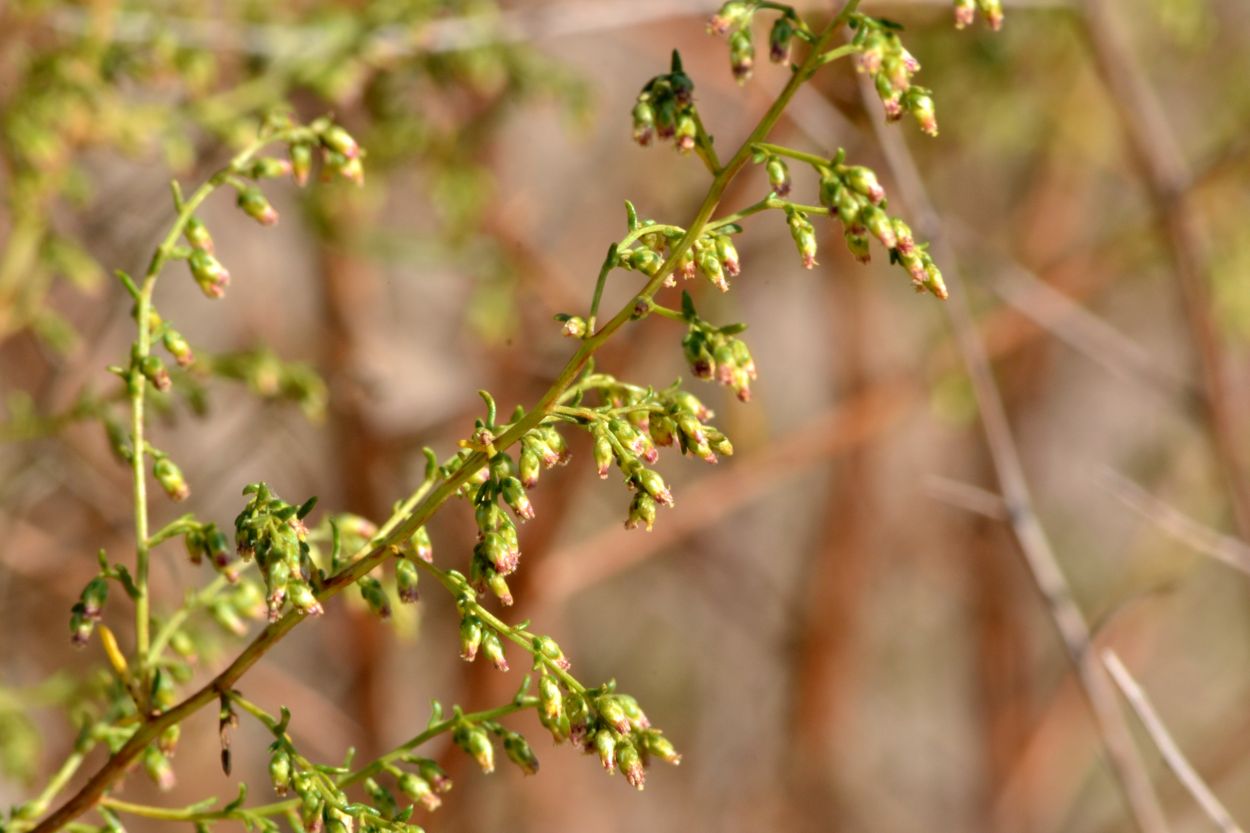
[205, 540]
[855, 197]
[713, 255]
[733, 21]
[966, 13]
[607, 724]
[88, 610]
[665, 109]
[889, 64]
[272, 531]
[716, 353]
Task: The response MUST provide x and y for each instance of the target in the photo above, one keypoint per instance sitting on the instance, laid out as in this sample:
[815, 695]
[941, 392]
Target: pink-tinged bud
[374, 594]
[864, 181]
[280, 771]
[605, 745]
[499, 587]
[644, 122]
[528, 468]
[857, 243]
[870, 59]
[153, 369]
[268, 167]
[421, 546]
[550, 698]
[494, 550]
[641, 512]
[902, 233]
[779, 39]
[921, 107]
[81, 626]
[156, 765]
[686, 133]
[301, 162]
[178, 347]
[209, 274]
[477, 744]
[419, 790]
[514, 495]
[407, 577]
[993, 11]
[432, 772]
[197, 235]
[731, 15]
[520, 753]
[169, 476]
[574, 327]
[303, 598]
[710, 266]
[604, 455]
[492, 649]
[93, 597]
[804, 237]
[728, 255]
[659, 746]
[630, 763]
[612, 711]
[742, 55]
[933, 280]
[965, 13]
[254, 205]
[470, 638]
[778, 176]
[878, 223]
[340, 141]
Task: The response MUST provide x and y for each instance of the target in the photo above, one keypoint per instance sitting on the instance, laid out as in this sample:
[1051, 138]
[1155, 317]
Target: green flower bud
[267, 167]
[419, 790]
[280, 771]
[993, 11]
[645, 260]
[303, 598]
[630, 764]
[153, 369]
[611, 710]
[169, 476]
[741, 55]
[197, 235]
[659, 746]
[733, 14]
[93, 597]
[603, 451]
[965, 13]
[778, 175]
[550, 698]
[406, 579]
[651, 482]
[520, 753]
[162, 694]
[499, 586]
[421, 546]
[864, 181]
[920, 105]
[779, 39]
[574, 327]
[477, 744]
[641, 512]
[529, 467]
[857, 243]
[168, 741]
[687, 132]
[178, 347]
[470, 637]
[340, 141]
[80, 626]
[514, 495]
[374, 594]
[432, 772]
[492, 649]
[209, 274]
[254, 205]
[728, 255]
[156, 765]
[877, 222]
[547, 646]
[301, 162]
[605, 745]
[804, 236]
[710, 266]
[644, 122]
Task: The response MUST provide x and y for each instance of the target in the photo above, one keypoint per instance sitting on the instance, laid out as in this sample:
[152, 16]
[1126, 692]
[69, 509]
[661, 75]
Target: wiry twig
[1177, 524]
[1172, 754]
[1034, 544]
[1168, 180]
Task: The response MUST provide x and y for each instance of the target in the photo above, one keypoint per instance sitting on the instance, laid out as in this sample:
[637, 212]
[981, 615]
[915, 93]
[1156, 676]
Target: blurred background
[836, 626]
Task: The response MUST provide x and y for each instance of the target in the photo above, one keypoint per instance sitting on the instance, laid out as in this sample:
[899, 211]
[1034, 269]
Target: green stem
[107, 775]
[797, 155]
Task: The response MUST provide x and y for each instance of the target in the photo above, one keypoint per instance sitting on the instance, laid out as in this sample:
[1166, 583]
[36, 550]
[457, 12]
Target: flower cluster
[889, 64]
[966, 13]
[665, 109]
[207, 541]
[272, 531]
[713, 254]
[717, 353]
[733, 21]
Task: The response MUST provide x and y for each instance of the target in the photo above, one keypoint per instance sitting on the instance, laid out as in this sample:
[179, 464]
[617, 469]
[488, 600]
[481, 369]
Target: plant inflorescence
[276, 565]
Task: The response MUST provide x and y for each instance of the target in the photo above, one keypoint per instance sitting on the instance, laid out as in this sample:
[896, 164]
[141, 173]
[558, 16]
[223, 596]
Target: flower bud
[864, 181]
[80, 625]
[605, 745]
[168, 740]
[547, 646]
[630, 764]
[644, 122]
[921, 107]
[170, 477]
[804, 237]
[419, 790]
[687, 132]
[731, 15]
[93, 597]
[641, 512]
[857, 243]
[254, 205]
[499, 586]
[902, 234]
[741, 55]
[993, 11]
[477, 744]
[303, 599]
[574, 327]
[933, 280]
[492, 649]
[421, 546]
[550, 698]
[710, 266]
[178, 347]
[406, 579]
[280, 771]
[514, 495]
[728, 255]
[432, 772]
[197, 235]
[611, 710]
[267, 167]
[153, 369]
[470, 637]
[661, 747]
[520, 753]
[965, 13]
[340, 141]
[604, 455]
[209, 274]
[877, 222]
[529, 467]
[778, 175]
[301, 162]
[374, 594]
[156, 765]
[779, 39]
[651, 482]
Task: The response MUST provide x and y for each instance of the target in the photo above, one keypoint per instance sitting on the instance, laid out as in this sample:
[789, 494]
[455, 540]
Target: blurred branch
[1168, 179]
[1178, 525]
[1034, 544]
[1172, 754]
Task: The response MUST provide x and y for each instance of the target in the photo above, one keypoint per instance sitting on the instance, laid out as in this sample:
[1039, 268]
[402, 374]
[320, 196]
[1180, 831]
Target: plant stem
[91, 792]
